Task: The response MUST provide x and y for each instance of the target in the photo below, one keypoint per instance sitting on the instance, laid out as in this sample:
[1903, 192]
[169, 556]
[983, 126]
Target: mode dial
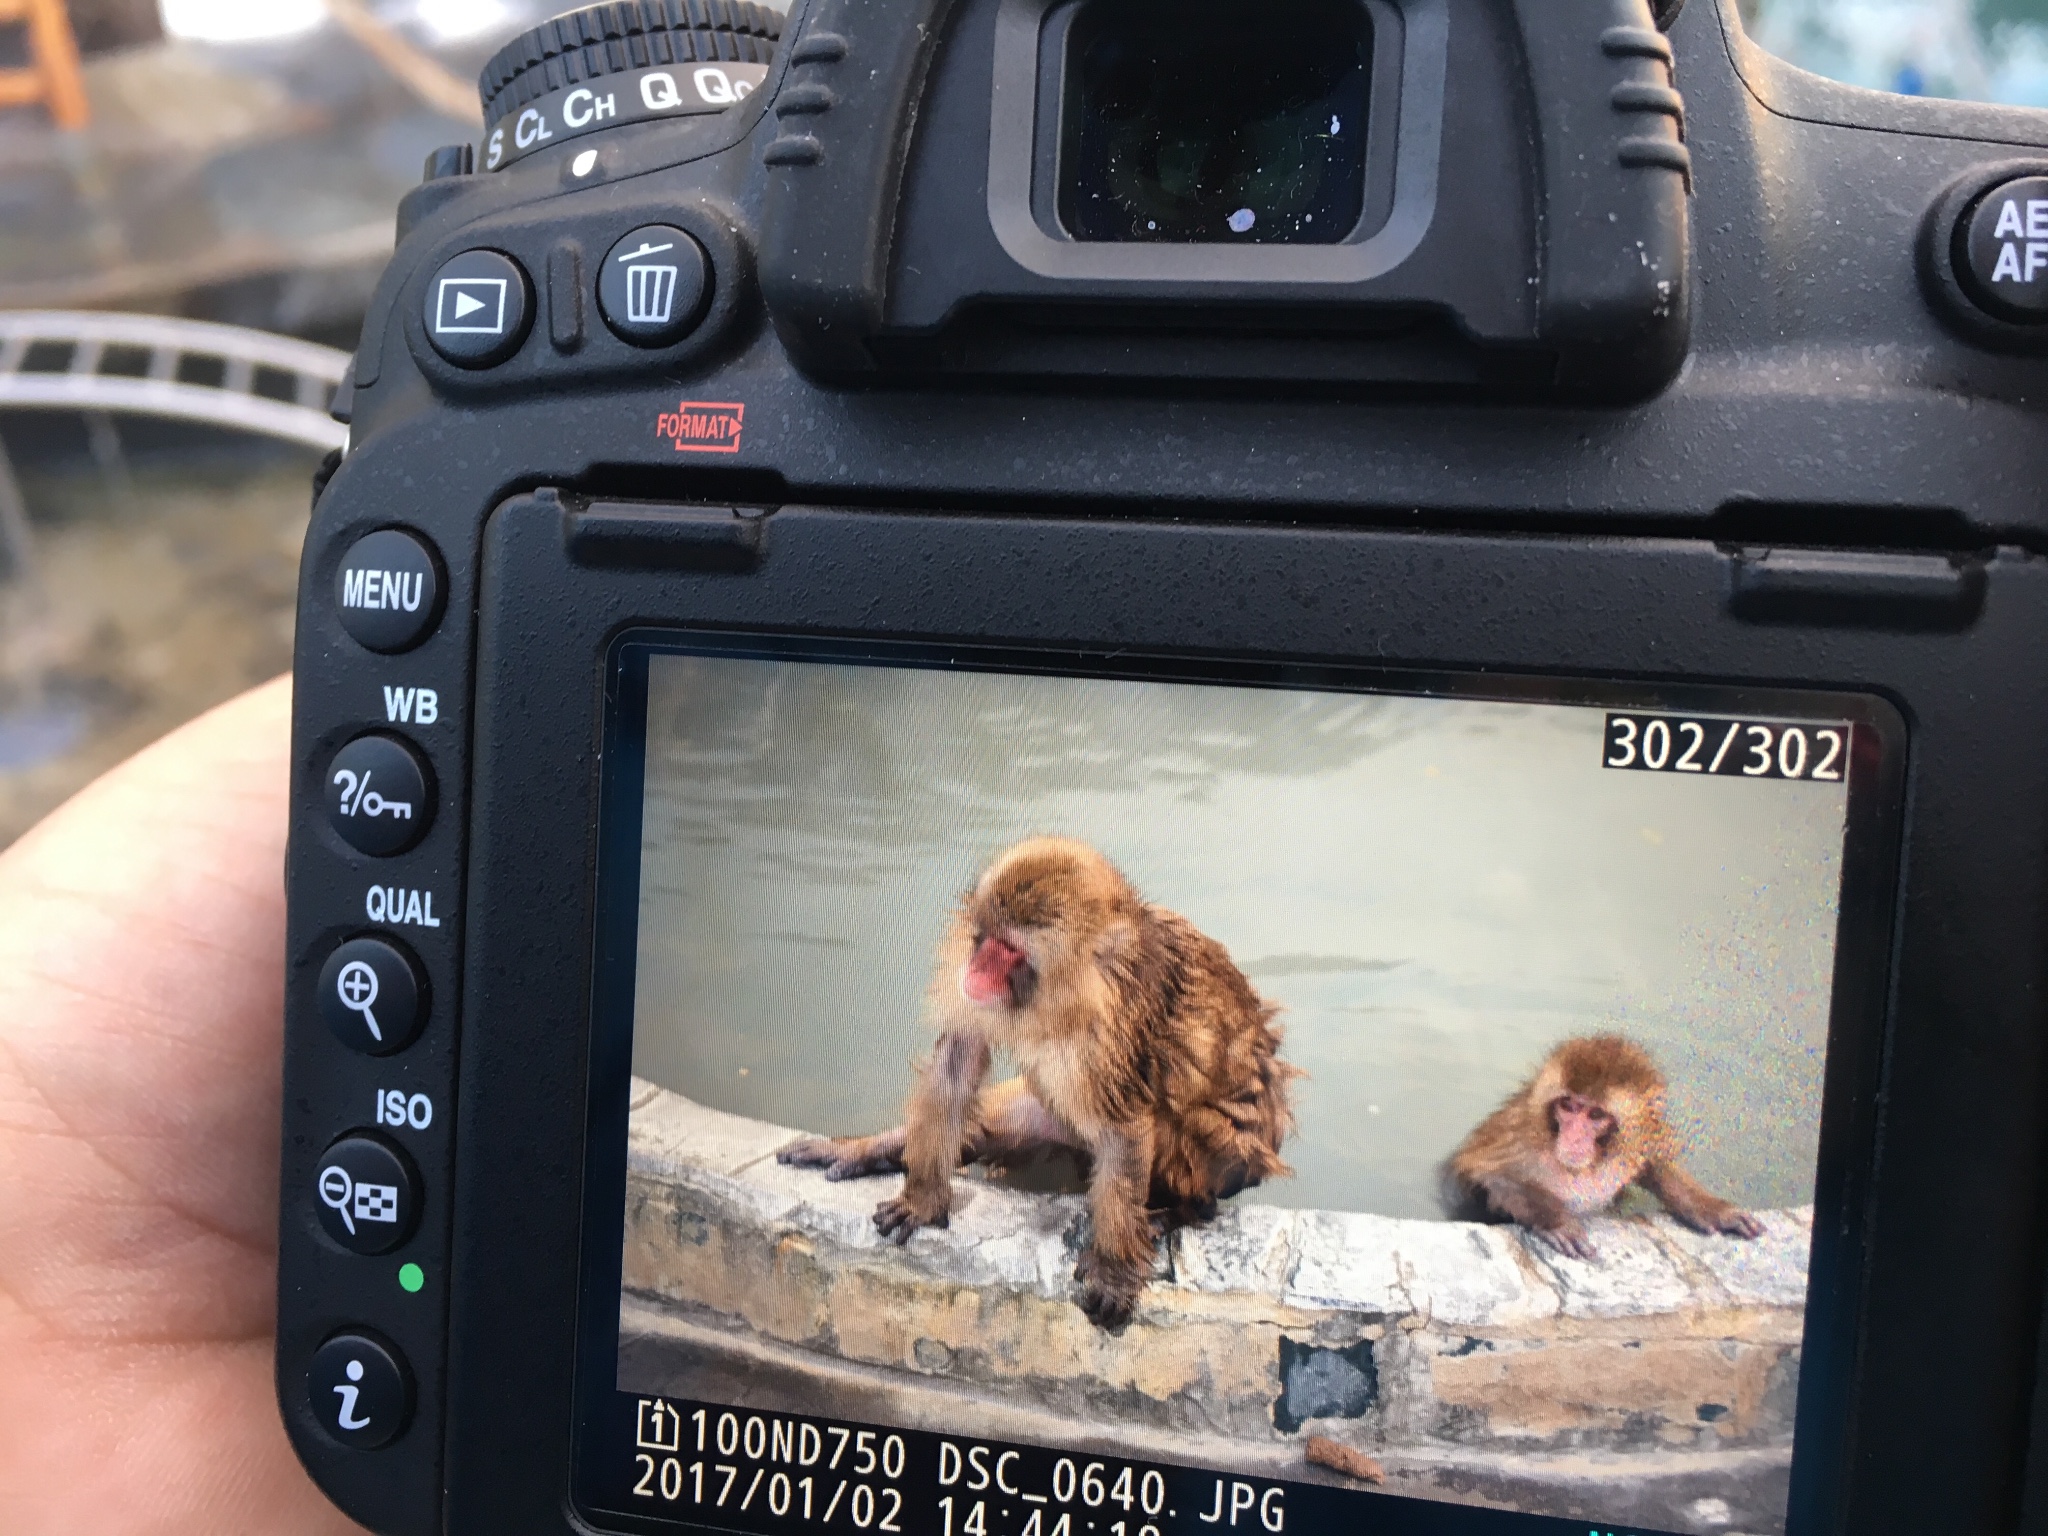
[629, 61]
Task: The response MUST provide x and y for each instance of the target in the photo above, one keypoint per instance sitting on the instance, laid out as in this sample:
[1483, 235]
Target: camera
[1105, 768]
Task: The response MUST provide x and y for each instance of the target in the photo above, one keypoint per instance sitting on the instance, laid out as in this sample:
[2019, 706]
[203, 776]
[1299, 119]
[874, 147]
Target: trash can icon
[650, 294]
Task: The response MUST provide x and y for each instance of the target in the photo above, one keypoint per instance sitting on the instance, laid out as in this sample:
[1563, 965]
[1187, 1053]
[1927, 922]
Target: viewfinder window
[1202, 122]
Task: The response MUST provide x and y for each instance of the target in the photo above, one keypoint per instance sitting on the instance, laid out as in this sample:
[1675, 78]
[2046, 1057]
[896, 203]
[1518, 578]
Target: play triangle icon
[465, 305]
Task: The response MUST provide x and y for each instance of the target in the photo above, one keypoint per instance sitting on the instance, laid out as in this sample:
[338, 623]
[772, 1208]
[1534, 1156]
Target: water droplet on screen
[1243, 220]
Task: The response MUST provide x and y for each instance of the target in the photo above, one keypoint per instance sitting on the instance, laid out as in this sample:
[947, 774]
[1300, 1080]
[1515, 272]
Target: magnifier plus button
[368, 1194]
[371, 997]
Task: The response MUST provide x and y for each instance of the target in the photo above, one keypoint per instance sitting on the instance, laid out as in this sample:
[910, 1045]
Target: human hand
[141, 1020]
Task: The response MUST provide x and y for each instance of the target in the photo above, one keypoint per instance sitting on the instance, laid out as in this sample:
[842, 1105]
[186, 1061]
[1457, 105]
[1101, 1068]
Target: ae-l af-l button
[380, 796]
[2003, 250]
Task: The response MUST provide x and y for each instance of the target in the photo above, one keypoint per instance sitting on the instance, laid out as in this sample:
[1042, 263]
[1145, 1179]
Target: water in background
[1435, 891]
[1977, 50]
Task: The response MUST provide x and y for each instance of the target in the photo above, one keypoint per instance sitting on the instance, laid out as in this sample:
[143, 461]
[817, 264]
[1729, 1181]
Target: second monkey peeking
[1138, 1043]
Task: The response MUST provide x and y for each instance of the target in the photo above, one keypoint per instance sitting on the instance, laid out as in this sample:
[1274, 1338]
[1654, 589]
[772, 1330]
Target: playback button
[379, 795]
[478, 307]
[369, 1196]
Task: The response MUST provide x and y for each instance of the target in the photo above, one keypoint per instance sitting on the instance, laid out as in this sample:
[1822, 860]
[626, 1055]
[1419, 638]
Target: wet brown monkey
[1571, 1139]
[1138, 1043]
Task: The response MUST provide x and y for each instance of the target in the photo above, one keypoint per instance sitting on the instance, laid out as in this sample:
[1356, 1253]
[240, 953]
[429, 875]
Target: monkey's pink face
[998, 974]
[1582, 1131]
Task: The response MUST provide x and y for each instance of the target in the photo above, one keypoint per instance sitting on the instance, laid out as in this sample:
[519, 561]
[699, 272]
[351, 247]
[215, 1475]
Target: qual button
[388, 590]
[2002, 249]
[653, 286]
[371, 997]
[379, 796]
[478, 307]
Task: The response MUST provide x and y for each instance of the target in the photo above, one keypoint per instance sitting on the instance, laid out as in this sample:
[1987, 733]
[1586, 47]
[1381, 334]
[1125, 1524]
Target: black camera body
[935, 340]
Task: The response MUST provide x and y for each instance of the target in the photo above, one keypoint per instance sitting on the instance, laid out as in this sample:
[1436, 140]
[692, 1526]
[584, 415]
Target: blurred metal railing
[191, 370]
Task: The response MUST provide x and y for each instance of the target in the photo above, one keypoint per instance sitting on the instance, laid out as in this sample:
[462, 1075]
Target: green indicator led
[411, 1277]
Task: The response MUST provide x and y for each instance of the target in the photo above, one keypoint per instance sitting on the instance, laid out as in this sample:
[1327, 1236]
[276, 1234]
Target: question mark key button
[373, 996]
[380, 795]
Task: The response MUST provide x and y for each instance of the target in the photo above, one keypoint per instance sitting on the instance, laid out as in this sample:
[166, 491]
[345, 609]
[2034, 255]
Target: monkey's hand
[1737, 1223]
[900, 1217]
[1109, 1290]
[1570, 1238]
[846, 1157]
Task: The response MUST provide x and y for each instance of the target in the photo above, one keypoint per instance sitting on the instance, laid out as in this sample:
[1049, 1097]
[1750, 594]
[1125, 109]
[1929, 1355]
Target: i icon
[359, 1390]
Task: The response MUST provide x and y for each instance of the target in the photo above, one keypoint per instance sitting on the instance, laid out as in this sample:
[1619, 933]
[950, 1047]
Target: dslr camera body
[1105, 768]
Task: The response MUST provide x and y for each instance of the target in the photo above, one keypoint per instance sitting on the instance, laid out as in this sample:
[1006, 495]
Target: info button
[359, 1390]
[2004, 250]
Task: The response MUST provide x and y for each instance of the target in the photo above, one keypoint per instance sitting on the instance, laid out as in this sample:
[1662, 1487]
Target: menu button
[388, 591]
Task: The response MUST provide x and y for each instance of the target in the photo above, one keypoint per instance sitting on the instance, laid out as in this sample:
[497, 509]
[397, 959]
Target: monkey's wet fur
[1138, 1042]
[1570, 1140]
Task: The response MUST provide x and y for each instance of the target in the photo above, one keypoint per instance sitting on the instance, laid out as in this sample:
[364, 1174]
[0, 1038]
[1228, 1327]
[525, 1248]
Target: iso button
[478, 307]
[369, 1196]
[371, 997]
[2005, 249]
[388, 590]
[379, 795]
[653, 286]
[359, 1390]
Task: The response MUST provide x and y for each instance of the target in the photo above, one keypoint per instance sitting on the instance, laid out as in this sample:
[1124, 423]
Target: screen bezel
[1857, 1012]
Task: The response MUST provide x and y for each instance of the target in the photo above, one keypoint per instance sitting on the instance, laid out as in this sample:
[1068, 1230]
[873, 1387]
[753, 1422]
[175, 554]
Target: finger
[141, 984]
[141, 993]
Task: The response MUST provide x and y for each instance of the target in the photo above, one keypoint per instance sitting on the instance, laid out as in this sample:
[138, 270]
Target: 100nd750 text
[756, 1439]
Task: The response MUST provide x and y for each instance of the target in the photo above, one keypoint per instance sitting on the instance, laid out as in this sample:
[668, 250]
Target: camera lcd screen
[1206, 122]
[1070, 1097]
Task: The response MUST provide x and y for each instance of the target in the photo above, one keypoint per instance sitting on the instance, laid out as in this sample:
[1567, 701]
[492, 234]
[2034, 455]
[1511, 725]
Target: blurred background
[239, 161]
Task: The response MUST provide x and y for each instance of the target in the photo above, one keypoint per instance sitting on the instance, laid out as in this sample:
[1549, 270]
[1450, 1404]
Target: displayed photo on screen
[1110, 1105]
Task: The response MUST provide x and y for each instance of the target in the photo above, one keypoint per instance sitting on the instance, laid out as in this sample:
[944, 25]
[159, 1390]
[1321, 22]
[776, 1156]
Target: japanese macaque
[1139, 1044]
[1570, 1140]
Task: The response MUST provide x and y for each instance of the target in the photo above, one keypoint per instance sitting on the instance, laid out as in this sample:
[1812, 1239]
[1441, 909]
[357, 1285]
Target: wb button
[653, 286]
[359, 1390]
[478, 307]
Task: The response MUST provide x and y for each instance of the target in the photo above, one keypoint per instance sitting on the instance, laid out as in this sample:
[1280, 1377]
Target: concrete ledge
[1473, 1361]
